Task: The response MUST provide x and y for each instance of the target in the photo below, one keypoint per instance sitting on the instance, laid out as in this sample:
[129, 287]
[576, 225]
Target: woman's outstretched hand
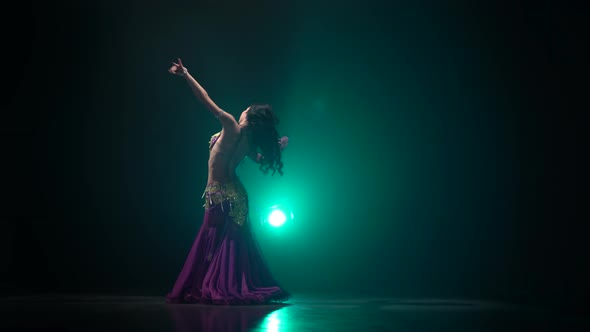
[283, 142]
[177, 68]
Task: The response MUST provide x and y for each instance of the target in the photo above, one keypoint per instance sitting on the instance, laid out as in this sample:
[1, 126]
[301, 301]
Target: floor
[57, 312]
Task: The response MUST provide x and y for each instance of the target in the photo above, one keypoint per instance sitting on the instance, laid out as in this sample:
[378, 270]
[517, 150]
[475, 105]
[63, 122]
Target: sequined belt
[233, 193]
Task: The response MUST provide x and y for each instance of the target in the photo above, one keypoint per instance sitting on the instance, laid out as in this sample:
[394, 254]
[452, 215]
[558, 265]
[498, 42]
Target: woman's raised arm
[227, 120]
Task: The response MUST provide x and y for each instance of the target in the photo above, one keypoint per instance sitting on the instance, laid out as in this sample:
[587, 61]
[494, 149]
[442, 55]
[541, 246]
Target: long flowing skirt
[225, 265]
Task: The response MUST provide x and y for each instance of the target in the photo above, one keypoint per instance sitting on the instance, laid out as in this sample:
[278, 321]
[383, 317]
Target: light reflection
[277, 321]
[272, 322]
[221, 318]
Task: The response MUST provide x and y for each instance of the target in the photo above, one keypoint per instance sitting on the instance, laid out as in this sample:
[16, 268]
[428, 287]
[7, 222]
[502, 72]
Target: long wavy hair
[262, 122]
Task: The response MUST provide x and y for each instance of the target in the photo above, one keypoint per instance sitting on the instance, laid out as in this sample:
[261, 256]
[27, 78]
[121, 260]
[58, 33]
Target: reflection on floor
[302, 313]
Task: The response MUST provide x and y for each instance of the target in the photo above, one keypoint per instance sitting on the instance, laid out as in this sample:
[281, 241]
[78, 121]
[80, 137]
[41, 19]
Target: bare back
[226, 151]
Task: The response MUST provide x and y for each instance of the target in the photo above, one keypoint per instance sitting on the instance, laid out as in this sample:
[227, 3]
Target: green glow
[279, 320]
[277, 215]
[272, 323]
[277, 218]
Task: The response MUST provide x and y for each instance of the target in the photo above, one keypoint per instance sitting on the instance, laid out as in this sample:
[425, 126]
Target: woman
[224, 265]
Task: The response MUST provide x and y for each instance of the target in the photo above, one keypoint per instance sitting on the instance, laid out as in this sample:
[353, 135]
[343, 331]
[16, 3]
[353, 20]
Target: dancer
[224, 264]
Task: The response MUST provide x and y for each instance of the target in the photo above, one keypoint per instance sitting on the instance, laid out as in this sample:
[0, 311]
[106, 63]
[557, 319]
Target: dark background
[434, 145]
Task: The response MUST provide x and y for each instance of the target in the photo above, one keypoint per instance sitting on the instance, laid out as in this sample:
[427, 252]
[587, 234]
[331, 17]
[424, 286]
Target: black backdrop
[85, 92]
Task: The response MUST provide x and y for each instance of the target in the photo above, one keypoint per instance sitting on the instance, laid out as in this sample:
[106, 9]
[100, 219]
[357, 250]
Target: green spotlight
[277, 215]
[277, 218]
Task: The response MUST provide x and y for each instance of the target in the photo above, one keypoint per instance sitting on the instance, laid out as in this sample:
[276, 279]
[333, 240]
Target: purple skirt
[225, 265]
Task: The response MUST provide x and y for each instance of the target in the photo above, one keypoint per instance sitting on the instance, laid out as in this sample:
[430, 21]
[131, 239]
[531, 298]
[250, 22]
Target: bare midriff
[224, 157]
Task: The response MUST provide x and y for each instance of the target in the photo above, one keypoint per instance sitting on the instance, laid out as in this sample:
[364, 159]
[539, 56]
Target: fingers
[176, 67]
[284, 142]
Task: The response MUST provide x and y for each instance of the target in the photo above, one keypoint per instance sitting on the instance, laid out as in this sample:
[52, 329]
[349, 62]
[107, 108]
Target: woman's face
[244, 117]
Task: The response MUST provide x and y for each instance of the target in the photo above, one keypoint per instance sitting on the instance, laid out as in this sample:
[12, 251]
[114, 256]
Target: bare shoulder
[229, 123]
